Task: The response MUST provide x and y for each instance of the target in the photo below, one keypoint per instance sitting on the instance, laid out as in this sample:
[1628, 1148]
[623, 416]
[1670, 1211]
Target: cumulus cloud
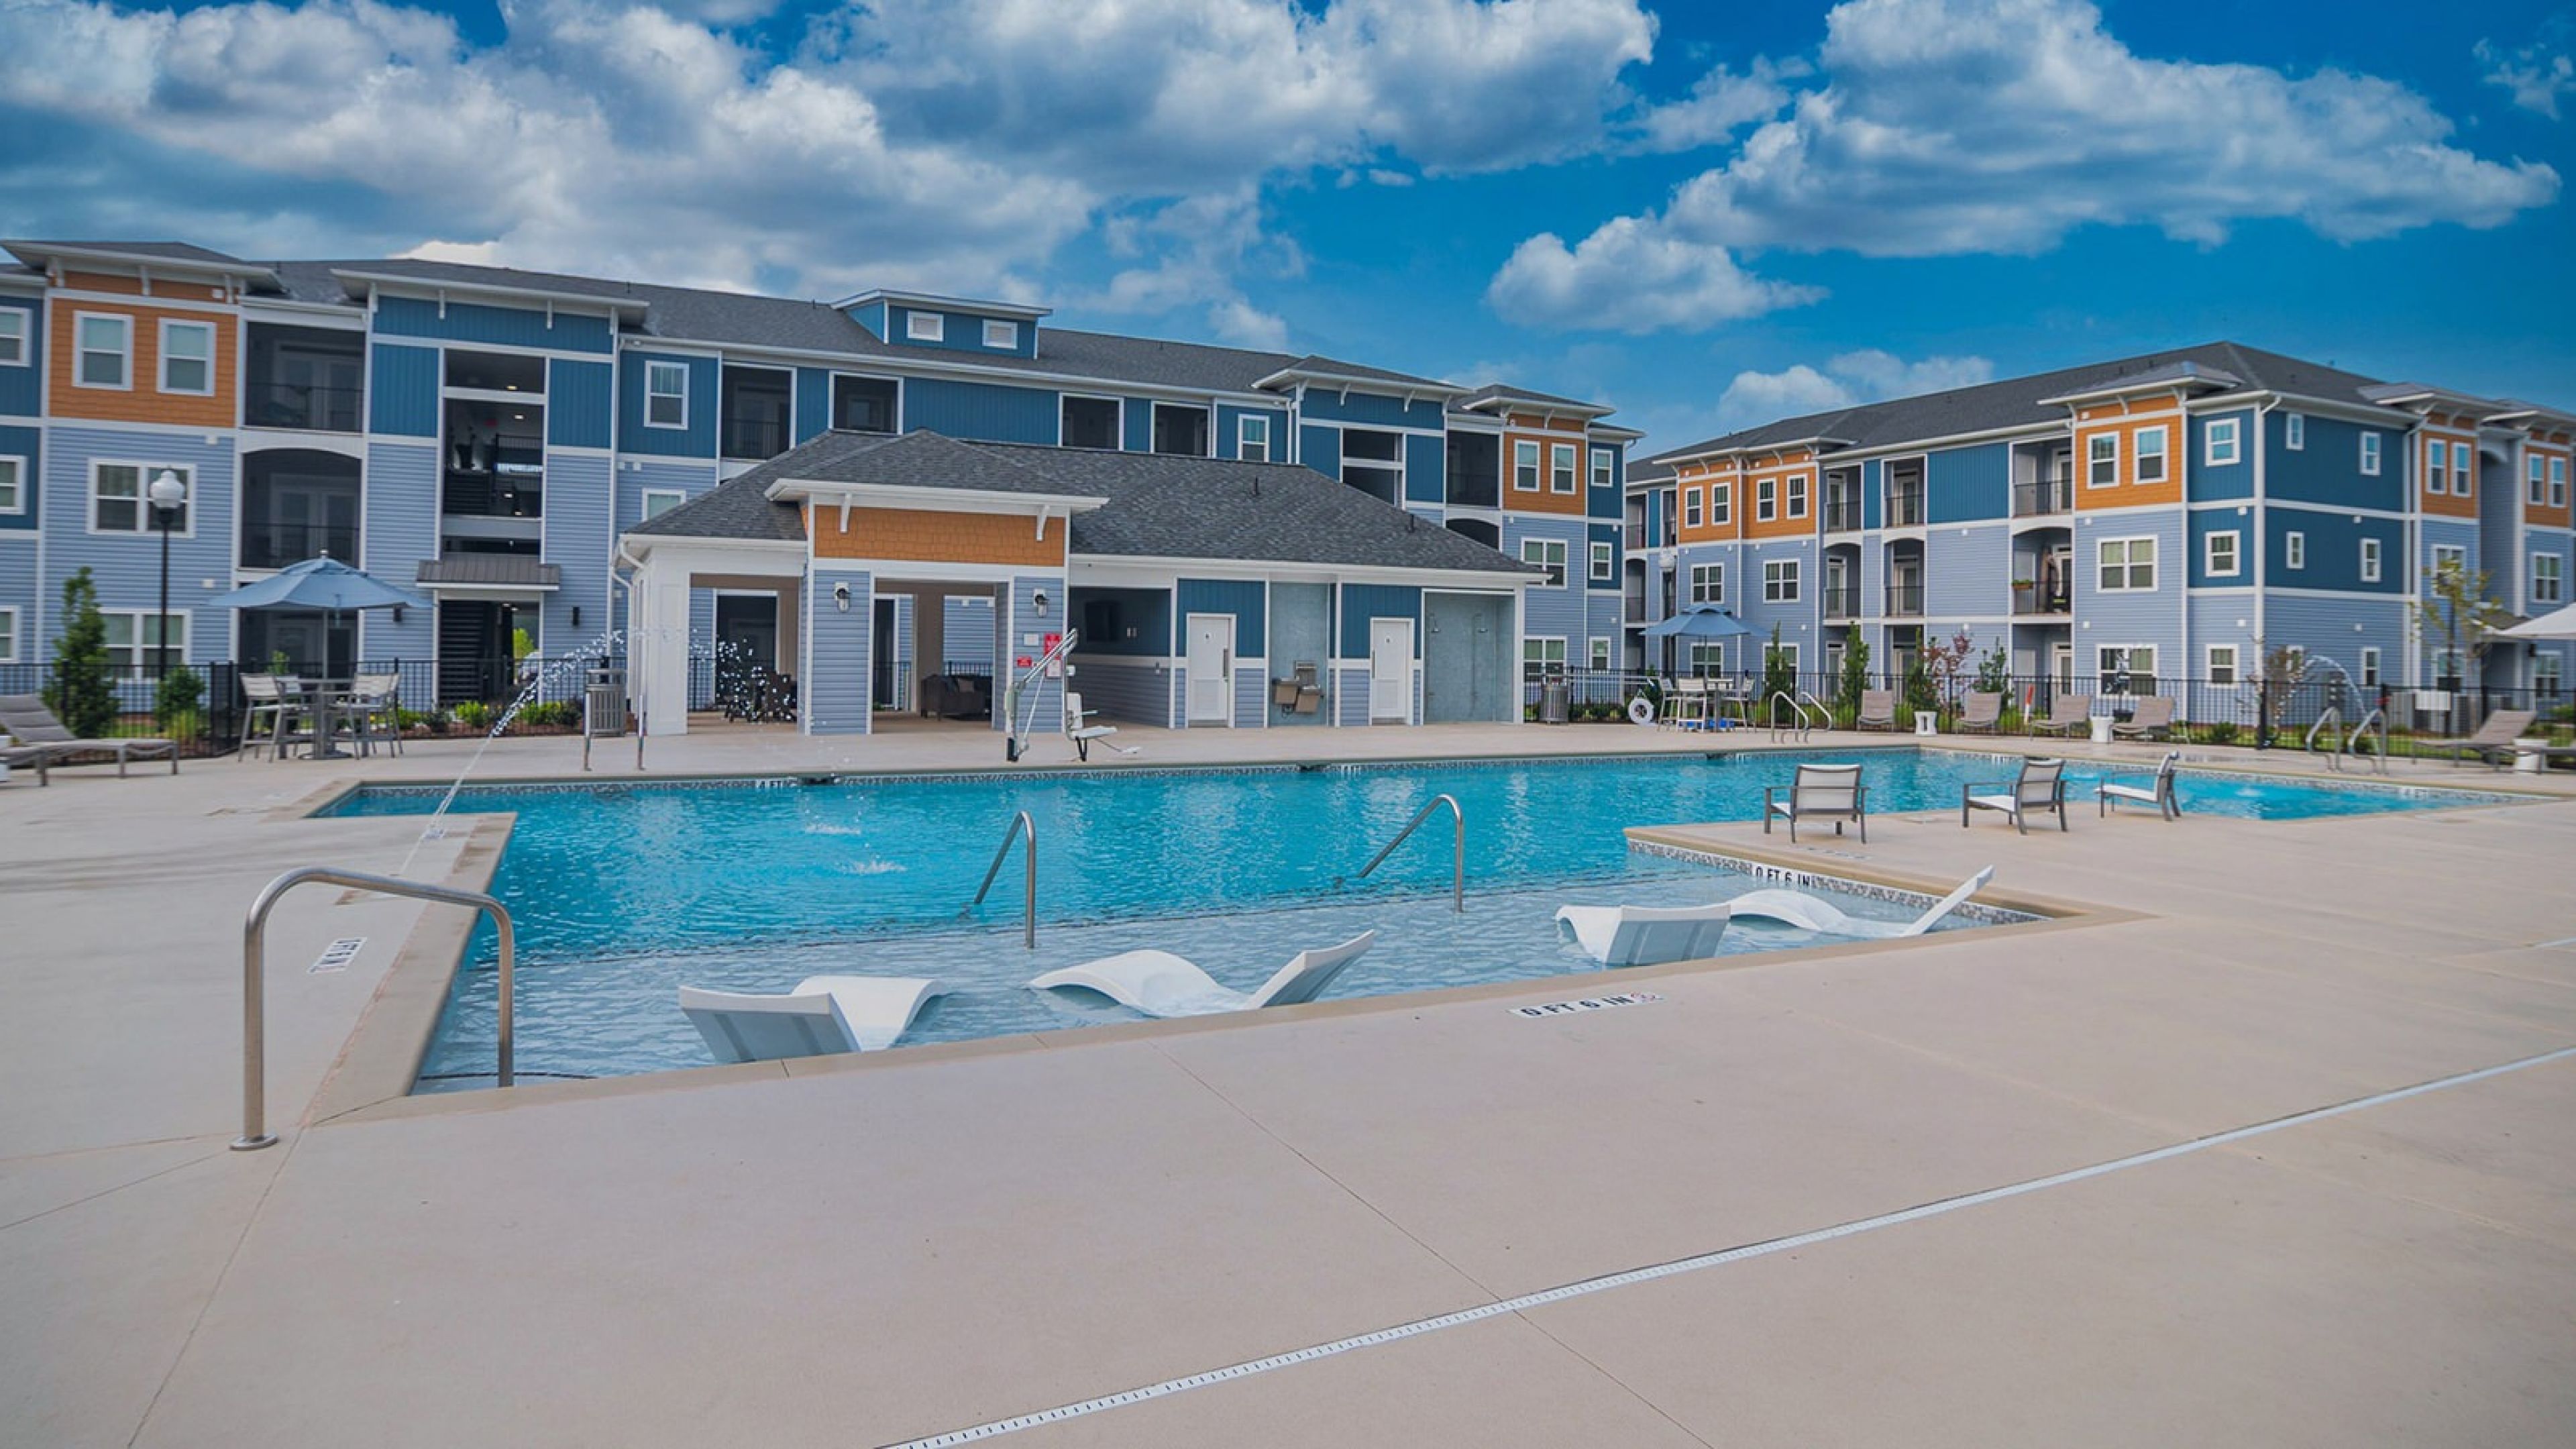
[2539, 73]
[1722, 103]
[1869, 375]
[1631, 275]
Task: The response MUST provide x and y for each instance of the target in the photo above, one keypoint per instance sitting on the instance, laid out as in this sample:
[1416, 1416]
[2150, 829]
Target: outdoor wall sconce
[398, 613]
[841, 597]
[576, 616]
[1038, 601]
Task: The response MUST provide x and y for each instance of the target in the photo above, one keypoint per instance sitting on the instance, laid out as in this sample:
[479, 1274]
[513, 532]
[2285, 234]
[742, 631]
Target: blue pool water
[622, 892]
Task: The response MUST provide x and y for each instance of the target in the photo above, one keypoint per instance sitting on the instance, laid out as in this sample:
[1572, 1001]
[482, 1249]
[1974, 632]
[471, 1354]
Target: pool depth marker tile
[1677, 1266]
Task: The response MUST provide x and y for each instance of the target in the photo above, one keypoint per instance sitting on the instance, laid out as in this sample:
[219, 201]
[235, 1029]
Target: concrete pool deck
[858, 1257]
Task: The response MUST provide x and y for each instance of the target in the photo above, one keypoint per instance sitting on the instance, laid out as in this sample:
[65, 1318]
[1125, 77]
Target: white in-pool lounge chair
[1159, 983]
[824, 1015]
[2158, 791]
[1797, 908]
[1645, 935]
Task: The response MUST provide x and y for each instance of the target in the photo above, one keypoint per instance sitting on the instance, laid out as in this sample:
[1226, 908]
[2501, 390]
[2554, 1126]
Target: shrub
[551, 715]
[182, 695]
[2221, 733]
[1919, 693]
[412, 719]
[82, 694]
[473, 714]
[1855, 676]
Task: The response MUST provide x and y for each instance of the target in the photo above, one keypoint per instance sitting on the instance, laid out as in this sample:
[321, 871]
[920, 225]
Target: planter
[2527, 760]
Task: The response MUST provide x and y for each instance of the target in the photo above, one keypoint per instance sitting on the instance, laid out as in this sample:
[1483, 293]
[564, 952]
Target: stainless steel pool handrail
[255, 1132]
[2379, 718]
[2329, 720]
[1021, 825]
[1458, 848]
[1798, 710]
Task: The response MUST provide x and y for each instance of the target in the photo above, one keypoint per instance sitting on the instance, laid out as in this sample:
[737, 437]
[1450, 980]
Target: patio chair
[2158, 791]
[24, 718]
[1079, 729]
[374, 711]
[1310, 686]
[1877, 710]
[1814, 913]
[823, 1016]
[267, 709]
[2492, 743]
[2067, 713]
[1159, 983]
[1644, 935]
[2154, 715]
[2041, 787]
[1686, 703]
[1984, 714]
[1820, 792]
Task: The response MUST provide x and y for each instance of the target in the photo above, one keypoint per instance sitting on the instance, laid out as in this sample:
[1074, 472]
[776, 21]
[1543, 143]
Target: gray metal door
[1464, 672]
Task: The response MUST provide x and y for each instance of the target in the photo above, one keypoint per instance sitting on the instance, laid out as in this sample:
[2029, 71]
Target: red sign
[1052, 640]
[1022, 662]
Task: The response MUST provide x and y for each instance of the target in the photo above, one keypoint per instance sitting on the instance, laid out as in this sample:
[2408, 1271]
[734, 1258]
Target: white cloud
[1631, 275]
[2538, 73]
[1721, 104]
[1869, 375]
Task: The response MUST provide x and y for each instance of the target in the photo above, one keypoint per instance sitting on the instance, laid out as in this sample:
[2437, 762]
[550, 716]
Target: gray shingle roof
[1335, 367]
[174, 250]
[1505, 392]
[507, 570]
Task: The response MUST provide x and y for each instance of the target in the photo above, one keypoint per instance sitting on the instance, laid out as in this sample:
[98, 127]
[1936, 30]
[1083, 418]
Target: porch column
[658, 650]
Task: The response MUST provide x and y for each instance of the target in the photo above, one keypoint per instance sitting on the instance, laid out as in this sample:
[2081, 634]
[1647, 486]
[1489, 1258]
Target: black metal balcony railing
[479, 495]
[2048, 495]
[1843, 603]
[755, 438]
[1904, 508]
[304, 406]
[2034, 601]
[1904, 600]
[1842, 515]
[1633, 604]
[275, 545]
[1635, 536]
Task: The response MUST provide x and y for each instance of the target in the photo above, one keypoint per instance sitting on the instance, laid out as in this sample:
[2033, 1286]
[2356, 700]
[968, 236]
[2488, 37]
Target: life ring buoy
[1641, 710]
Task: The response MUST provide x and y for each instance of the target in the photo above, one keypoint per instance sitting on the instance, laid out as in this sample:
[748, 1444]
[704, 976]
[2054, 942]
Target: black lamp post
[169, 493]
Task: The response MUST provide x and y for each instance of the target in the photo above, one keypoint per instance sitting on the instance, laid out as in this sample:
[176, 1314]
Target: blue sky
[1705, 215]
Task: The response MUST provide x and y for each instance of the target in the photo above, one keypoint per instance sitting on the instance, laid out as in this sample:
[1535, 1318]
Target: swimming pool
[621, 891]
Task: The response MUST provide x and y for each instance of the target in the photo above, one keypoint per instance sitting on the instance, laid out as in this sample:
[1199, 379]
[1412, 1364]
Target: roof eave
[995, 500]
[41, 257]
[932, 300]
[362, 283]
[1346, 382]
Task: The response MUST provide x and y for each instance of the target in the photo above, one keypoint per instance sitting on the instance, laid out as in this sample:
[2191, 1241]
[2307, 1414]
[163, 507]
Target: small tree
[1778, 677]
[2283, 668]
[2457, 617]
[82, 691]
[1945, 662]
[1855, 678]
[1919, 693]
[1994, 671]
[175, 704]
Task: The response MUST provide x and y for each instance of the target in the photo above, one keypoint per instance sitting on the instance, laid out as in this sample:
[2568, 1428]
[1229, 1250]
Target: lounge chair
[823, 1016]
[1877, 710]
[2158, 791]
[1159, 983]
[25, 718]
[28, 757]
[1820, 792]
[1644, 935]
[2067, 713]
[1079, 729]
[2154, 715]
[1984, 714]
[2040, 787]
[2492, 743]
[1797, 908]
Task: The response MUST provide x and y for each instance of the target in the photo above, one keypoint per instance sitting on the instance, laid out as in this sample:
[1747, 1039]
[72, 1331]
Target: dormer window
[925, 327]
[1002, 335]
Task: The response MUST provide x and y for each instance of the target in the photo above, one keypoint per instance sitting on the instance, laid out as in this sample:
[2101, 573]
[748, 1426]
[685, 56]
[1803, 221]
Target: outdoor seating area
[40, 741]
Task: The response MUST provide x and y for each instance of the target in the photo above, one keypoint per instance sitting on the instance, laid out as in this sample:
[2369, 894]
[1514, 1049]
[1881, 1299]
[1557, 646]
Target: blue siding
[1229, 430]
[966, 635]
[2238, 521]
[126, 566]
[960, 332]
[2153, 617]
[1871, 505]
[27, 443]
[1140, 426]
[1549, 613]
[838, 666]
[18, 591]
[1962, 485]
[813, 402]
[400, 528]
[2205, 480]
[633, 478]
[2546, 543]
[1141, 693]
[22, 388]
[1967, 573]
[2328, 469]
[2324, 628]
[402, 392]
[698, 439]
[1613, 535]
[985, 412]
[580, 405]
[1251, 693]
[1370, 407]
[580, 508]
[1046, 714]
[1321, 450]
[507, 326]
[1363, 602]
[1797, 620]
[1426, 465]
[1607, 502]
[872, 317]
[1243, 598]
[2334, 550]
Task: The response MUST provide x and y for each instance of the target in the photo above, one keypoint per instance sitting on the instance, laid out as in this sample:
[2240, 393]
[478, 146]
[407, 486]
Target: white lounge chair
[1819, 792]
[1159, 983]
[1797, 908]
[824, 1015]
[1645, 935]
[2158, 792]
[2040, 788]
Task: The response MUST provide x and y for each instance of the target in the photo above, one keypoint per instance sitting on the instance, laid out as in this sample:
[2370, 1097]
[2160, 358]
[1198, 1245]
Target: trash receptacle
[604, 713]
[1555, 701]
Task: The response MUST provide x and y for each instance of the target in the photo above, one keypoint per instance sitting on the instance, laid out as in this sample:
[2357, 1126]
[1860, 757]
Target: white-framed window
[1004, 335]
[188, 358]
[1543, 656]
[2126, 668]
[119, 503]
[1708, 583]
[13, 484]
[925, 327]
[2219, 443]
[134, 634]
[1560, 467]
[2536, 488]
[2370, 560]
[2128, 565]
[1252, 438]
[1721, 504]
[104, 342]
[1601, 656]
[2102, 460]
[2294, 431]
[1788, 654]
[2218, 554]
[1549, 554]
[1690, 508]
[1779, 581]
[2548, 676]
[2437, 466]
[1524, 466]
[658, 501]
[8, 633]
[666, 394]
[2548, 579]
[1605, 563]
[2370, 455]
[2450, 555]
[2462, 456]
[13, 337]
[2151, 455]
[2294, 550]
[2370, 666]
[2219, 664]
[1766, 499]
[1706, 658]
[1797, 495]
[1605, 467]
[2557, 482]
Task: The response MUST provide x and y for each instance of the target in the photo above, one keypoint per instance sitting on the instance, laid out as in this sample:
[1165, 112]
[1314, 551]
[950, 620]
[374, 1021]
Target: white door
[1209, 667]
[1391, 670]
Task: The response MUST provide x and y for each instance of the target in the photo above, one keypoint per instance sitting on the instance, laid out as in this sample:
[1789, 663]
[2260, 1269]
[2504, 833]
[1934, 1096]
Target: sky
[1705, 215]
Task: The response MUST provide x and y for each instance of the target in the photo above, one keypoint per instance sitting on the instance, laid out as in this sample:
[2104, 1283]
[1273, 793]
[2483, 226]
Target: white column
[661, 647]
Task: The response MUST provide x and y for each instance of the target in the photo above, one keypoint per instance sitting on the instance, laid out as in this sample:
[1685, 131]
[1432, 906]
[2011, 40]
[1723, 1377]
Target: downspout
[634, 613]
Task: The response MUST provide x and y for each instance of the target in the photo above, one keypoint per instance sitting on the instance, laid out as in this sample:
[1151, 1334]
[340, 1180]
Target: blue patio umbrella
[1699, 622]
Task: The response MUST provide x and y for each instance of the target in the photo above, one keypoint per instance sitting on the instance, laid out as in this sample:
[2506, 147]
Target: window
[2218, 555]
[2547, 575]
[2462, 455]
[2102, 460]
[1004, 335]
[1373, 463]
[925, 327]
[2557, 482]
[1708, 583]
[2294, 550]
[2370, 667]
[2127, 668]
[1707, 658]
[1766, 498]
[2437, 466]
[755, 411]
[2370, 560]
[1090, 422]
[13, 336]
[2450, 556]
[495, 371]
[666, 394]
[1690, 508]
[658, 501]
[1780, 581]
[2221, 667]
[1560, 467]
[2548, 675]
[1721, 504]
[8, 634]
[13, 485]
[1605, 564]
[1524, 467]
[869, 405]
[1549, 554]
[118, 502]
[188, 358]
[135, 635]
[106, 347]
[1183, 431]
[2128, 565]
[1605, 468]
[2218, 445]
[2370, 455]
[2294, 431]
[1543, 656]
[1788, 651]
[1797, 495]
[2537, 489]
[1252, 438]
[2151, 455]
[1601, 656]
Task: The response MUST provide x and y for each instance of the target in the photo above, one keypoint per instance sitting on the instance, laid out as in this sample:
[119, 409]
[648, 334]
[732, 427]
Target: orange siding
[2547, 446]
[1712, 480]
[1535, 422]
[164, 289]
[2126, 423]
[1544, 499]
[2445, 503]
[918, 535]
[1792, 476]
[143, 402]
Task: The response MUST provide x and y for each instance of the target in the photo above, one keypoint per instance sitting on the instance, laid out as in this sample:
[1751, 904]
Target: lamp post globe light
[169, 494]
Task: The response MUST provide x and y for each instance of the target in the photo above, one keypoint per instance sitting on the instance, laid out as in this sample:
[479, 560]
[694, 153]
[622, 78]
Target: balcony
[1842, 514]
[751, 439]
[1632, 604]
[501, 494]
[304, 406]
[1904, 601]
[2044, 497]
[1842, 603]
[275, 545]
[305, 379]
[2035, 603]
[1905, 507]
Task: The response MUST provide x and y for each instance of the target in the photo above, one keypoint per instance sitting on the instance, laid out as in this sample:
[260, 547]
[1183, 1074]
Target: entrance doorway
[1466, 658]
[1390, 671]
[1209, 668]
[476, 658]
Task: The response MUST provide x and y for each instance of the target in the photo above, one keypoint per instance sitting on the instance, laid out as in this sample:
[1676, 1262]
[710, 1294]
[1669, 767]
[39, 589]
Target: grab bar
[255, 1132]
[2331, 721]
[1805, 725]
[1458, 848]
[2379, 717]
[1021, 825]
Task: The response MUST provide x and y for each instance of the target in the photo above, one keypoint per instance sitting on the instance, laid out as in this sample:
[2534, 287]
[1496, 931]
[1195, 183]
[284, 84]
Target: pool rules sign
[1587, 1003]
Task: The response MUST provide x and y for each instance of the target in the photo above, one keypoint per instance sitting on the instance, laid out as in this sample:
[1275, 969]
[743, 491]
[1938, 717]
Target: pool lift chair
[1079, 729]
[823, 1016]
[1159, 983]
[1645, 935]
[1813, 913]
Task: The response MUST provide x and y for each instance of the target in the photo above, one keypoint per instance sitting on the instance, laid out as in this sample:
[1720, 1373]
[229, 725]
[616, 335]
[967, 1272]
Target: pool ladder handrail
[2379, 718]
[1797, 703]
[2329, 721]
[1022, 825]
[1457, 848]
[255, 1133]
